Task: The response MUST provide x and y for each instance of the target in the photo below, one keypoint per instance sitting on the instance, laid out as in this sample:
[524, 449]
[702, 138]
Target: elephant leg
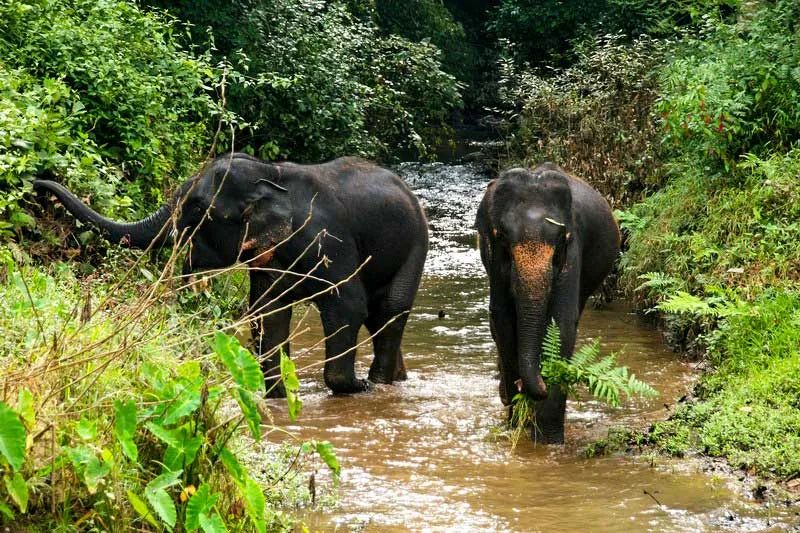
[270, 331]
[342, 316]
[388, 364]
[388, 314]
[502, 322]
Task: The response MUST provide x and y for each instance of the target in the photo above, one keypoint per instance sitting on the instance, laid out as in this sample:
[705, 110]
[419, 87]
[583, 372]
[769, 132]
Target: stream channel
[424, 455]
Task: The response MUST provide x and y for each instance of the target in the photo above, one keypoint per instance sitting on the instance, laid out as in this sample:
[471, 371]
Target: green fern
[600, 375]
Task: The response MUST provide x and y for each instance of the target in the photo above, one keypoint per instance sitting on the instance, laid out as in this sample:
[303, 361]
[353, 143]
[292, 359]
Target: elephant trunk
[140, 234]
[533, 263]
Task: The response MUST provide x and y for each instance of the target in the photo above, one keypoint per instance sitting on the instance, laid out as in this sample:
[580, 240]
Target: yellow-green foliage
[133, 410]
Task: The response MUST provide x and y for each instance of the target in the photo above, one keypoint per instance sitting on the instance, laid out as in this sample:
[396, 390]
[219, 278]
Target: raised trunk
[533, 264]
[140, 234]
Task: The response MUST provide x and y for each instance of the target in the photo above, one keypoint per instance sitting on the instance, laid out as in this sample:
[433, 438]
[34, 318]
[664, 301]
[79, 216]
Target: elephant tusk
[518, 383]
[550, 220]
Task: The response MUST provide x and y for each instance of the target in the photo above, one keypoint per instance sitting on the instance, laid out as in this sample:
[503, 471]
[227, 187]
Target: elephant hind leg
[388, 314]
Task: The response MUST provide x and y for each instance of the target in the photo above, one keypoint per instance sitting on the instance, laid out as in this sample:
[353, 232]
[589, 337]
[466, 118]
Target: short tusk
[550, 220]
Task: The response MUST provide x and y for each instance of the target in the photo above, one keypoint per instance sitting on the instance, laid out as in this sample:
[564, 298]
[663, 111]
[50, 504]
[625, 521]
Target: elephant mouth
[263, 251]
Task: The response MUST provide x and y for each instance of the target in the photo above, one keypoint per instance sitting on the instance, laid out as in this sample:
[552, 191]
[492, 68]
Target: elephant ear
[483, 225]
[267, 216]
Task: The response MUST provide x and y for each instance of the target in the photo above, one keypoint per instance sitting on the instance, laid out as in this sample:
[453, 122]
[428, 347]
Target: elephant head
[525, 222]
[233, 209]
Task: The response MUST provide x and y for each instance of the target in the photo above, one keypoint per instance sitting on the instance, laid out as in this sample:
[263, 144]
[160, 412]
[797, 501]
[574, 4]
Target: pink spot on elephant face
[534, 263]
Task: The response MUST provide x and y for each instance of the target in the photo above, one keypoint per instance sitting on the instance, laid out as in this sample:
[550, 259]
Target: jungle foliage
[692, 130]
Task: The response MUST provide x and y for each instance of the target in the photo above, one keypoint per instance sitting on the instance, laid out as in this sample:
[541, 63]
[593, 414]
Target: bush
[118, 413]
[321, 82]
[102, 95]
[593, 118]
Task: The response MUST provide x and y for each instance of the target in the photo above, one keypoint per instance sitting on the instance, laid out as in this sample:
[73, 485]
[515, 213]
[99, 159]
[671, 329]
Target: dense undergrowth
[122, 408]
[695, 134]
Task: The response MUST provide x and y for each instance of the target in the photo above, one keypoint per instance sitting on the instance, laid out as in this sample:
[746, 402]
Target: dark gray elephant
[547, 241]
[238, 208]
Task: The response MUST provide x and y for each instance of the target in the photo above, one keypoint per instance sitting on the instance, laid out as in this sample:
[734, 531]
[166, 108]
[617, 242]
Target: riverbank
[694, 140]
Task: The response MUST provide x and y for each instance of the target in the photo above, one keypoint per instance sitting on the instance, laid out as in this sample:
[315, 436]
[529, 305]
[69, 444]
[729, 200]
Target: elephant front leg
[342, 317]
[502, 322]
[270, 331]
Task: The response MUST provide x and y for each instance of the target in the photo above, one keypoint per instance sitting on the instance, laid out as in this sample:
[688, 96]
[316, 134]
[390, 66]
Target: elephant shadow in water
[364, 220]
[547, 242]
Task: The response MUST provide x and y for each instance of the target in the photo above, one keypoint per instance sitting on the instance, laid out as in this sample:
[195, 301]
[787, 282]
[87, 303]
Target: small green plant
[601, 376]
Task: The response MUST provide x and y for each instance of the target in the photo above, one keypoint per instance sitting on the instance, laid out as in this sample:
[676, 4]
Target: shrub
[593, 118]
[102, 95]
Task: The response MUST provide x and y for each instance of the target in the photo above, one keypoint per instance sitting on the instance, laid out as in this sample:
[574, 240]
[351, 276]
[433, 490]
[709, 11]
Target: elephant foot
[352, 387]
[401, 374]
[546, 435]
[379, 377]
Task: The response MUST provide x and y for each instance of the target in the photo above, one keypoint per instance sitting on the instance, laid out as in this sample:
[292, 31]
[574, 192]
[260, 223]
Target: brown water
[423, 455]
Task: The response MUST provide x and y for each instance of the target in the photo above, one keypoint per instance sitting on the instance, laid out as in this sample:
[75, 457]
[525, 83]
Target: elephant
[300, 229]
[547, 240]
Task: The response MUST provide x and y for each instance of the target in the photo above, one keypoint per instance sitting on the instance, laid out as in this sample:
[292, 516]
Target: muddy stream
[424, 455]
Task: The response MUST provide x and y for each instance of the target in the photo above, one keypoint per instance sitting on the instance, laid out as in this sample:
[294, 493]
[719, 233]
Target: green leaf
[231, 463]
[159, 498]
[250, 491]
[125, 427]
[25, 408]
[12, 437]
[201, 503]
[165, 480]
[94, 472]
[328, 455]
[255, 504]
[18, 490]
[292, 385]
[250, 411]
[171, 437]
[6, 511]
[186, 403]
[239, 361]
[212, 523]
[140, 507]
[162, 502]
[86, 428]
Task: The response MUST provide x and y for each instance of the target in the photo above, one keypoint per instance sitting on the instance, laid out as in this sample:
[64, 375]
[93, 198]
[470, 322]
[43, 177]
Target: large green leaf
[125, 427]
[186, 402]
[94, 473]
[201, 503]
[141, 508]
[212, 523]
[328, 455]
[254, 503]
[250, 411]
[171, 437]
[86, 428]
[159, 498]
[12, 437]
[292, 385]
[162, 502]
[239, 361]
[232, 465]
[25, 408]
[6, 511]
[18, 490]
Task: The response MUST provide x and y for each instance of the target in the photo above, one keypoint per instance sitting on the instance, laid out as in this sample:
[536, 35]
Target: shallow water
[423, 455]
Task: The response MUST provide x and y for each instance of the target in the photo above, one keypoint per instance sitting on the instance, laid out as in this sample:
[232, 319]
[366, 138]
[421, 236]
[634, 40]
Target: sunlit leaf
[202, 502]
[212, 523]
[18, 490]
[125, 427]
[328, 455]
[292, 385]
[141, 508]
[239, 361]
[12, 437]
